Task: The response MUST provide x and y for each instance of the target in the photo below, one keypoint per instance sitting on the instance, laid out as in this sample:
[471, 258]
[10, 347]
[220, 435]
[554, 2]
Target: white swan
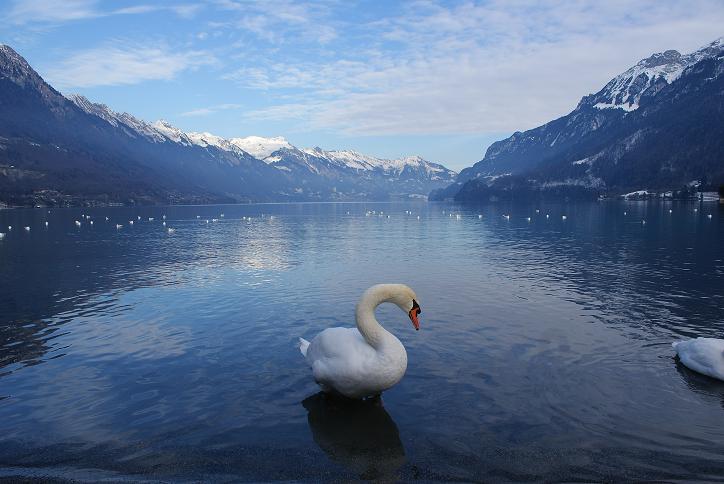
[703, 355]
[366, 360]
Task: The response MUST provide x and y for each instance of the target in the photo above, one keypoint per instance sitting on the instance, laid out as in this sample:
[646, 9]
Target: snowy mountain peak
[712, 49]
[414, 159]
[661, 58]
[132, 125]
[171, 132]
[14, 67]
[260, 147]
[359, 161]
[208, 139]
[7, 52]
[648, 75]
[97, 109]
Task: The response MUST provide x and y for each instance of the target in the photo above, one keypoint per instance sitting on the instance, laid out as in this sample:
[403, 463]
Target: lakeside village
[691, 192]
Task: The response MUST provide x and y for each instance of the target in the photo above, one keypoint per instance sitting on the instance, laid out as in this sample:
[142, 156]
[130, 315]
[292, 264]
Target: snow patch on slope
[171, 132]
[129, 123]
[260, 147]
[625, 90]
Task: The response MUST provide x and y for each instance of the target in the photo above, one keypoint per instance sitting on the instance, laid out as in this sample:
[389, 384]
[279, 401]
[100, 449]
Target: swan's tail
[303, 345]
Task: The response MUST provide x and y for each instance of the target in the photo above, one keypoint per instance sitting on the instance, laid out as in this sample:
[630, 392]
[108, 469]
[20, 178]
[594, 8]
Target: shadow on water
[701, 384]
[360, 435]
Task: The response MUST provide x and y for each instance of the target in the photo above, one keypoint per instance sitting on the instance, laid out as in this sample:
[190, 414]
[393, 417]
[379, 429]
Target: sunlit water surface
[544, 351]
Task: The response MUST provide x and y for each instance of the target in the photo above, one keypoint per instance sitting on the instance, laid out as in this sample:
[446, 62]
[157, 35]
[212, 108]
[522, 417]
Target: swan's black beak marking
[414, 312]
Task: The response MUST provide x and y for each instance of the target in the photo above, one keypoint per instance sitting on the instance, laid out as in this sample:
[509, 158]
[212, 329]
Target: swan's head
[399, 294]
[406, 300]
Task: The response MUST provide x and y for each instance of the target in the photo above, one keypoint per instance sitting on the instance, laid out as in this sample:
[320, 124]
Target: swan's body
[703, 355]
[366, 360]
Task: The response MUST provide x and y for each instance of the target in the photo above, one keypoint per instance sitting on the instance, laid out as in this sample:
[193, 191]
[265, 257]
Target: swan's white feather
[362, 361]
[303, 345]
[703, 355]
[342, 360]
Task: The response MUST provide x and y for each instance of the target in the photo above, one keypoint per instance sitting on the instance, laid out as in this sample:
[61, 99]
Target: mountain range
[57, 150]
[657, 126]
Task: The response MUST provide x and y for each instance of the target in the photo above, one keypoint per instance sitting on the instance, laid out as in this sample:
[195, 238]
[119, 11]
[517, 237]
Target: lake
[544, 350]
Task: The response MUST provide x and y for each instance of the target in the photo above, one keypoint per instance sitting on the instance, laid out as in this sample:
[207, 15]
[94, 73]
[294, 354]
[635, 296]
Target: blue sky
[438, 79]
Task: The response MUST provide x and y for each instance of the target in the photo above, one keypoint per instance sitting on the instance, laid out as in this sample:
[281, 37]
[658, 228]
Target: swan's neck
[367, 324]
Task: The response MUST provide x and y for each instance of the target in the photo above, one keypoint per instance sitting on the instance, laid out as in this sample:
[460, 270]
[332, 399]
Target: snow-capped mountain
[131, 125]
[58, 150]
[647, 77]
[659, 125]
[418, 175]
[279, 153]
[260, 147]
[403, 176]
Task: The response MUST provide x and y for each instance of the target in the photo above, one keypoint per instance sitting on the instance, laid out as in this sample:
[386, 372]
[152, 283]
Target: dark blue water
[544, 352]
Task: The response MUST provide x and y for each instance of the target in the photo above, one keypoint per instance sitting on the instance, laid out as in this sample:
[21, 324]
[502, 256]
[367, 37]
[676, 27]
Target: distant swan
[366, 360]
[703, 355]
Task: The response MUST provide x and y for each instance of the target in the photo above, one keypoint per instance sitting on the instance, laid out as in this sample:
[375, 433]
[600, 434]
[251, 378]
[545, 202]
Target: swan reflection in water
[359, 434]
[701, 384]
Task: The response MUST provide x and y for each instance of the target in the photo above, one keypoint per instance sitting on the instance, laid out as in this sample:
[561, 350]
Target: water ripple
[544, 354]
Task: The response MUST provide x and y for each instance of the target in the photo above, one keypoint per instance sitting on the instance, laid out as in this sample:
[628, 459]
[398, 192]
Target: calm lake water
[544, 352]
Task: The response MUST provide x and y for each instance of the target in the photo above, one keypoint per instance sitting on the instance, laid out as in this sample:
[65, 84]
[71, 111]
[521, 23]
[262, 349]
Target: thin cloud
[281, 21]
[51, 12]
[474, 68]
[27, 11]
[211, 110]
[283, 112]
[186, 11]
[119, 63]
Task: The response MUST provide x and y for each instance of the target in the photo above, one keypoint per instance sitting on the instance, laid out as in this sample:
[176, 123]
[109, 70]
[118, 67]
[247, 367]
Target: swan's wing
[338, 343]
[339, 357]
[703, 355]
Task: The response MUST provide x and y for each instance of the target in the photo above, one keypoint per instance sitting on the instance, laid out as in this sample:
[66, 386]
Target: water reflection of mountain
[360, 435]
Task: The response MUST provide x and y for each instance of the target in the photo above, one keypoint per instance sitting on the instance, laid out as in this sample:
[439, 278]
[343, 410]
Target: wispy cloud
[474, 68]
[280, 21]
[119, 62]
[182, 10]
[49, 11]
[298, 111]
[22, 12]
[211, 109]
[357, 69]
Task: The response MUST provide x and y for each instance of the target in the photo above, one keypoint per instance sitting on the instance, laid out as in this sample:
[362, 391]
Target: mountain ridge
[270, 150]
[278, 153]
[606, 145]
[57, 150]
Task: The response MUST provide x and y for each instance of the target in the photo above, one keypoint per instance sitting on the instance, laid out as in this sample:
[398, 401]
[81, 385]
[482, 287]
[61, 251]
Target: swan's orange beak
[413, 314]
